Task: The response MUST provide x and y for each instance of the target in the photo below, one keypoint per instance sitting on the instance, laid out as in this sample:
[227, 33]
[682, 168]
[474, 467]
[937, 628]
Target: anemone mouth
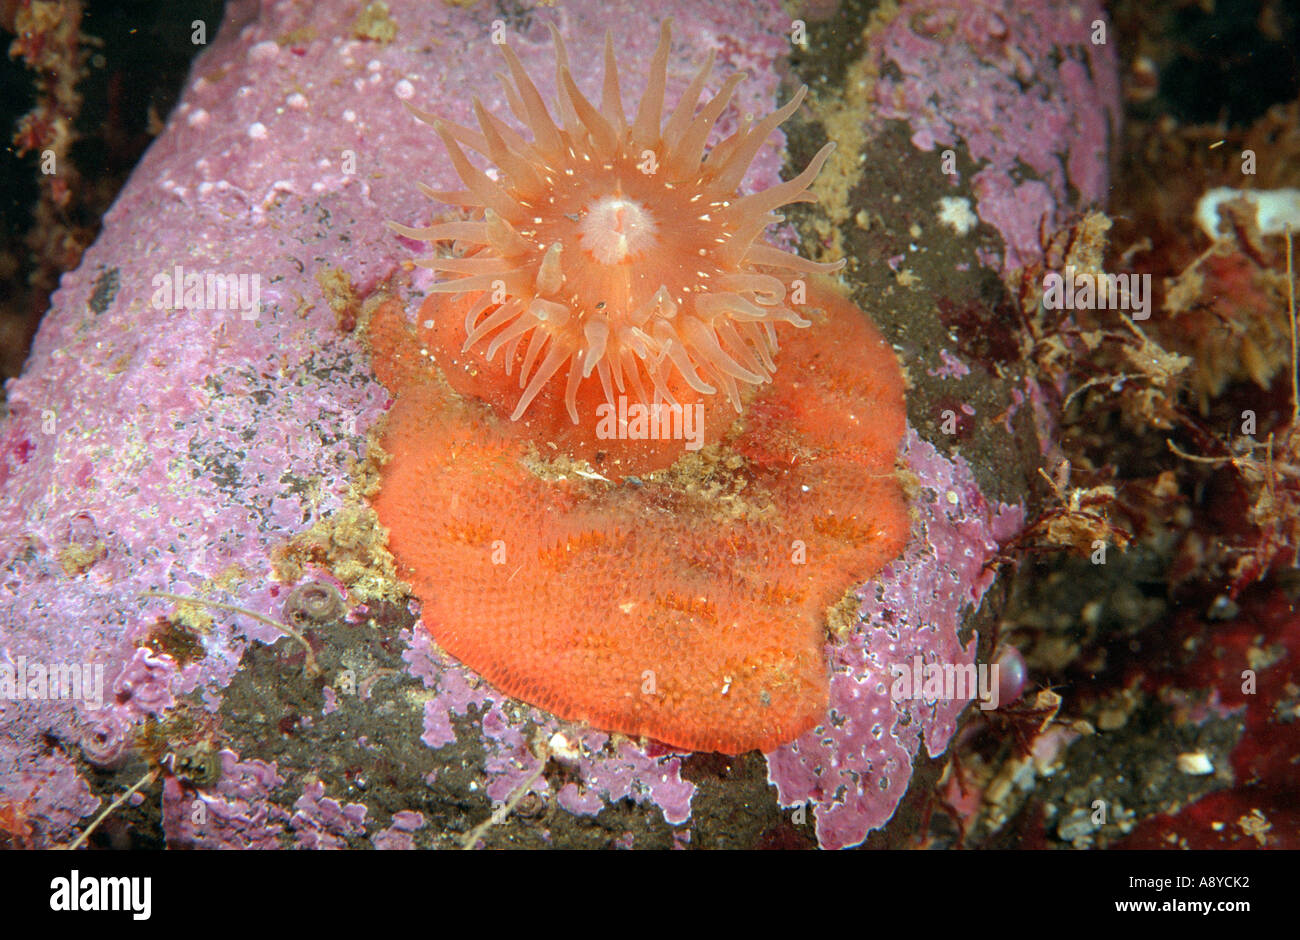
[616, 250]
[615, 229]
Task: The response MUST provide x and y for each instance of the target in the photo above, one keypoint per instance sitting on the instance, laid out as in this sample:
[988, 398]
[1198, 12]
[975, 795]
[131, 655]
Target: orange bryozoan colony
[636, 517]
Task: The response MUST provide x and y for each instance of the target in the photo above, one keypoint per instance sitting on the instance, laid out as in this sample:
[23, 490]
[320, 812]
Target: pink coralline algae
[144, 687]
[963, 68]
[608, 772]
[854, 769]
[235, 813]
[323, 823]
[157, 446]
[398, 836]
[45, 794]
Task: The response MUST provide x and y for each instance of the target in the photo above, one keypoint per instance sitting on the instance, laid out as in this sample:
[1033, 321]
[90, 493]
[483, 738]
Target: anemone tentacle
[625, 254]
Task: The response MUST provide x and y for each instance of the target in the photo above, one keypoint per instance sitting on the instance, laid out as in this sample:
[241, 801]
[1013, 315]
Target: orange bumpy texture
[689, 605]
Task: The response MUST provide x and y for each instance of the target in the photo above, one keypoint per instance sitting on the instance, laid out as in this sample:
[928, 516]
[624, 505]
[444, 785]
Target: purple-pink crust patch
[854, 769]
[608, 772]
[964, 73]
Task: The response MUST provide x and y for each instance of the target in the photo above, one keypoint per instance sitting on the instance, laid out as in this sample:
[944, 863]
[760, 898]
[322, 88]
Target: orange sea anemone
[620, 252]
[646, 588]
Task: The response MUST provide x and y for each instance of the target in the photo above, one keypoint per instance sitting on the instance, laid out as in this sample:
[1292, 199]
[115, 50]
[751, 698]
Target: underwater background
[1102, 486]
